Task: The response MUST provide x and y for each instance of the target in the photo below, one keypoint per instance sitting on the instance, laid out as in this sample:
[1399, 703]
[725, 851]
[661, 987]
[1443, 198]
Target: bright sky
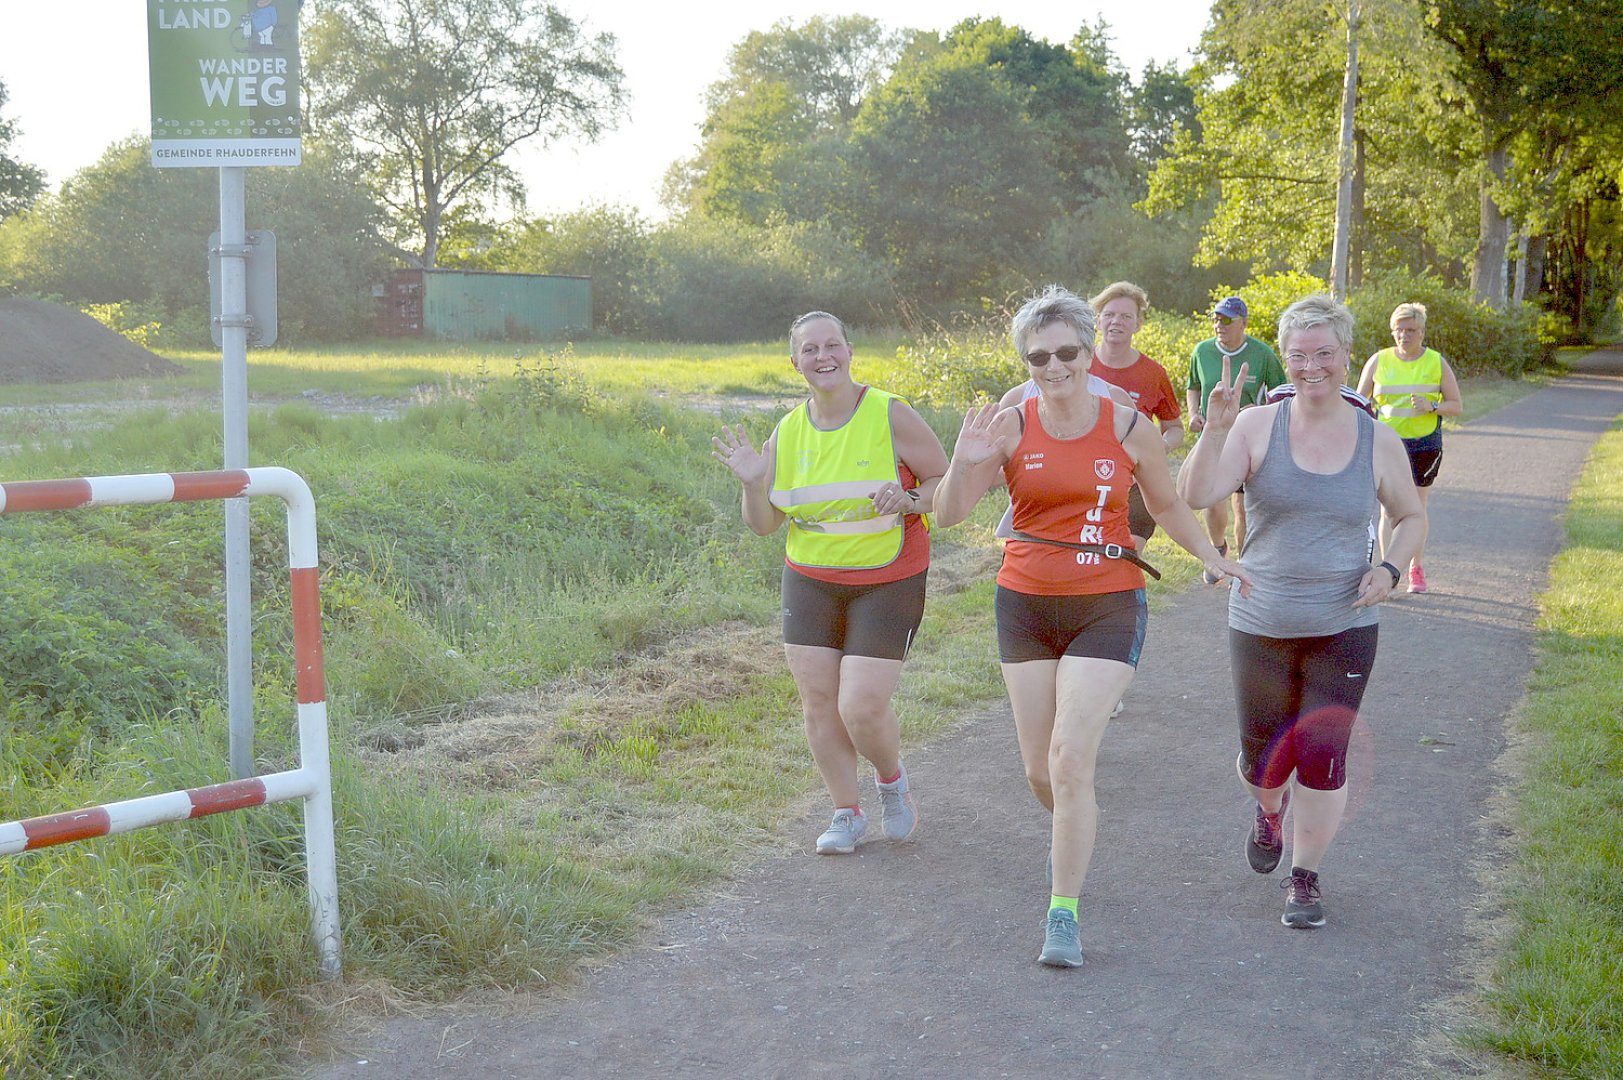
[77, 76]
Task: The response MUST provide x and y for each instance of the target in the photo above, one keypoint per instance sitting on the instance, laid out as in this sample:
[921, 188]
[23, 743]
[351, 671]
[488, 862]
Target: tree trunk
[1521, 267]
[1537, 247]
[1493, 237]
[1344, 161]
[1359, 241]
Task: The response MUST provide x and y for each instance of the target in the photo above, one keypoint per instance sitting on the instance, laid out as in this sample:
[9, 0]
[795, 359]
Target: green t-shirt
[1206, 367]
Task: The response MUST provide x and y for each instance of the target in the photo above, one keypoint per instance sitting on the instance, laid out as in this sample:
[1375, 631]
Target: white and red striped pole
[312, 780]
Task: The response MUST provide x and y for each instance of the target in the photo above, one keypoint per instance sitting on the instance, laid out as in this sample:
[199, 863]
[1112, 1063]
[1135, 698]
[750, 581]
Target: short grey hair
[1314, 311]
[1054, 304]
[1417, 312]
[812, 316]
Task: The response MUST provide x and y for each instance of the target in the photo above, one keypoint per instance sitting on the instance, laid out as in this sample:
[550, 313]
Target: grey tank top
[1308, 541]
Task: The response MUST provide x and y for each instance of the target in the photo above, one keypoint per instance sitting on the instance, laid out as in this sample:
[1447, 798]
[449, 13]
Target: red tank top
[1073, 490]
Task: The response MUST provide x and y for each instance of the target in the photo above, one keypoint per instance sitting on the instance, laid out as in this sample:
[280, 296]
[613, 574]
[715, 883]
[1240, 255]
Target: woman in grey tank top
[1316, 471]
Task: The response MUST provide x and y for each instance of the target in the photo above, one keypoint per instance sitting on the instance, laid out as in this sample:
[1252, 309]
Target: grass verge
[1555, 999]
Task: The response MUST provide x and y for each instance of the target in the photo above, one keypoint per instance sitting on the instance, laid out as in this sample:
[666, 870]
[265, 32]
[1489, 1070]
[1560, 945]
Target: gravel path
[919, 960]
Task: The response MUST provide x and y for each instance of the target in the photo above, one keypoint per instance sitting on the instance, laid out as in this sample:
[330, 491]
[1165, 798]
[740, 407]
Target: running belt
[1109, 551]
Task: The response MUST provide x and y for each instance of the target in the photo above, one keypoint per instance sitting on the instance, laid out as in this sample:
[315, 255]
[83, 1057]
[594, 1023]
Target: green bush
[958, 366]
[715, 281]
[1474, 337]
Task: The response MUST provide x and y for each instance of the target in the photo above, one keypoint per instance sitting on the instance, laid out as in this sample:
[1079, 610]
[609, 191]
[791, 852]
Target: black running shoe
[1302, 908]
[1265, 843]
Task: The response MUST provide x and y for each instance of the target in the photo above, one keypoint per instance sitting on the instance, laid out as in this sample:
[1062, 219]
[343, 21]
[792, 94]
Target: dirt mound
[41, 342]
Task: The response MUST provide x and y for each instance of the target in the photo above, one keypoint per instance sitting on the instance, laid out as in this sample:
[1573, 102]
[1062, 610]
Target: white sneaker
[899, 814]
[843, 833]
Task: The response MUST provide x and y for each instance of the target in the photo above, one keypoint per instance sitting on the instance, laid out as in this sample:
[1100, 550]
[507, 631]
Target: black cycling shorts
[1425, 457]
[858, 620]
[1297, 699]
[1106, 626]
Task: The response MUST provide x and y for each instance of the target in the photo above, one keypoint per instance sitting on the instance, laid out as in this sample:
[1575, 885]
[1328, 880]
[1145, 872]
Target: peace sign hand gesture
[1224, 404]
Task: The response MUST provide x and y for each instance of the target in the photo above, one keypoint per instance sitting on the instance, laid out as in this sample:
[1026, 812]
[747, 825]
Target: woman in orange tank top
[1070, 598]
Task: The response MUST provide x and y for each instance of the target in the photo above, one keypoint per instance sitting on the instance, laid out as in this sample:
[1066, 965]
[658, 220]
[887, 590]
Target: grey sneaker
[843, 833]
[1302, 908]
[1206, 575]
[899, 814]
[1062, 944]
[1265, 843]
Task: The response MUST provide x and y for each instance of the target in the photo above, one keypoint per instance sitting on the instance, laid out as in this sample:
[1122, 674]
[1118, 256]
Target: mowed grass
[1555, 1001]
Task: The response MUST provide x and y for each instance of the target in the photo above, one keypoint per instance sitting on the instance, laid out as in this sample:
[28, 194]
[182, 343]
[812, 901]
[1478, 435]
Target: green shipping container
[476, 305]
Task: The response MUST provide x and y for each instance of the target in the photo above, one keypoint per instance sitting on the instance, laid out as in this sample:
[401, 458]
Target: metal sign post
[239, 644]
[225, 95]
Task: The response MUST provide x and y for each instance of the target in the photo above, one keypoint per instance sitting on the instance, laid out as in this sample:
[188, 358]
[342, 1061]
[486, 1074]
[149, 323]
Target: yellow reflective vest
[823, 481]
[1396, 379]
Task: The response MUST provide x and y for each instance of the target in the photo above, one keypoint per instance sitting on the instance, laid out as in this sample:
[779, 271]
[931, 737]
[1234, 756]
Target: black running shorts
[1106, 626]
[858, 620]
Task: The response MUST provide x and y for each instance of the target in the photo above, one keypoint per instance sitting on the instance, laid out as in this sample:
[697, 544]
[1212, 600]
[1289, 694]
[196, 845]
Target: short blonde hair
[1417, 312]
[1314, 311]
[1118, 289]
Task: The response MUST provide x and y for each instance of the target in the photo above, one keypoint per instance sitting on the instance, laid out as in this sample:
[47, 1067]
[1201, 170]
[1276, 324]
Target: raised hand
[1224, 404]
[976, 439]
[734, 450]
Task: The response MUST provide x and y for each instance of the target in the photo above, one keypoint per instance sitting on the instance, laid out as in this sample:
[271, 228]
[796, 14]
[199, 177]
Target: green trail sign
[225, 82]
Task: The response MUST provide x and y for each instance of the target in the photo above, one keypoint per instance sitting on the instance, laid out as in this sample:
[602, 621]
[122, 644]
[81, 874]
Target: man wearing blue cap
[1263, 372]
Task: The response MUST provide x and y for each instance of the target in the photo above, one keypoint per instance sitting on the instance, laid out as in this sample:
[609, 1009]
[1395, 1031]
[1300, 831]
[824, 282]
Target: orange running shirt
[1073, 490]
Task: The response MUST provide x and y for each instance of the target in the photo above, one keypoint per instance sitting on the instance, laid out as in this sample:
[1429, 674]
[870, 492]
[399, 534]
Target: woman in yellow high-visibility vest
[1414, 388]
[853, 470]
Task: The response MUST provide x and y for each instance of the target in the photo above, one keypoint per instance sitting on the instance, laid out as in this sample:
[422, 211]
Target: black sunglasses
[1040, 357]
[1226, 320]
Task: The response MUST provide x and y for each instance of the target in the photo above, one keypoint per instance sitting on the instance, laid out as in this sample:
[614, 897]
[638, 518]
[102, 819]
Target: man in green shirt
[1229, 320]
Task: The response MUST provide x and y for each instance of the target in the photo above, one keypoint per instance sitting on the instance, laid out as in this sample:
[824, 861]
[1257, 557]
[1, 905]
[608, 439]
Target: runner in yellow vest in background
[1414, 388]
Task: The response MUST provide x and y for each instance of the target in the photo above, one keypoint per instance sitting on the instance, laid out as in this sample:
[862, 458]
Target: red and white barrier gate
[312, 780]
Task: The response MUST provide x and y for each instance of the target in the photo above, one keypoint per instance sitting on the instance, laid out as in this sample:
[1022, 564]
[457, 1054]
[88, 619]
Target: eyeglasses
[1226, 320]
[1066, 354]
[1322, 357]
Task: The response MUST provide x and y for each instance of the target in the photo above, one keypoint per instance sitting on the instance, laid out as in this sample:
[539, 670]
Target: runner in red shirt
[1120, 307]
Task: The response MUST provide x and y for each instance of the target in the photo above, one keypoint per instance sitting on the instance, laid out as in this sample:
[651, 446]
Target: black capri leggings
[1297, 700]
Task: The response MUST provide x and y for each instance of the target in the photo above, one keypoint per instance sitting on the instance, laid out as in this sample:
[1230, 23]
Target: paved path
[919, 960]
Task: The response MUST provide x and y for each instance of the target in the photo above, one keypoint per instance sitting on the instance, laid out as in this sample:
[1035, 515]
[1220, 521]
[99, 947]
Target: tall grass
[558, 702]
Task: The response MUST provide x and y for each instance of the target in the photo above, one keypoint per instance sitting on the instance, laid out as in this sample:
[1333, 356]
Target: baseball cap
[1233, 307]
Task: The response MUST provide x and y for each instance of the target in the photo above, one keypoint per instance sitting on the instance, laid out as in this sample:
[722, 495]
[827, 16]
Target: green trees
[432, 94]
[944, 159]
[122, 231]
[1544, 82]
[1268, 89]
[776, 122]
[19, 183]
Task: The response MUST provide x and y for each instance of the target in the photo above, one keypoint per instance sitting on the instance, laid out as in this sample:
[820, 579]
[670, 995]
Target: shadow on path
[919, 960]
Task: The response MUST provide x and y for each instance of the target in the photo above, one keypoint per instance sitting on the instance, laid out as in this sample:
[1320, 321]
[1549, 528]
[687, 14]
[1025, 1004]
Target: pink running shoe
[1417, 579]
